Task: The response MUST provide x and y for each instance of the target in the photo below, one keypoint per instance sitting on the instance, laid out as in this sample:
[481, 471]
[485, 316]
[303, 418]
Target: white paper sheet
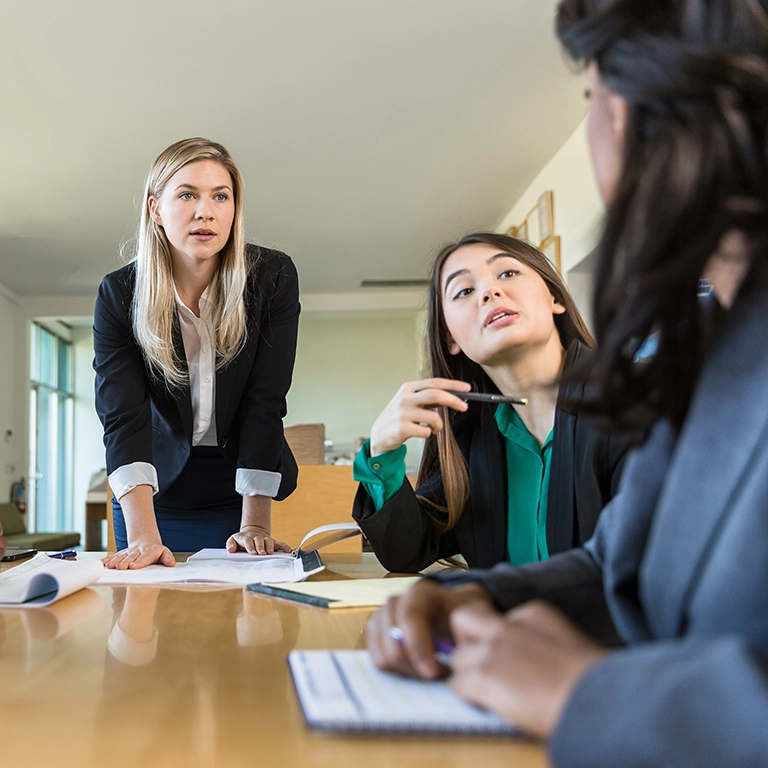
[233, 570]
[43, 580]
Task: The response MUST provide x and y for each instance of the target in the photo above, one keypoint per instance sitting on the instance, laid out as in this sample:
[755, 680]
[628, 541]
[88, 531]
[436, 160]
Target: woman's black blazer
[586, 465]
[144, 420]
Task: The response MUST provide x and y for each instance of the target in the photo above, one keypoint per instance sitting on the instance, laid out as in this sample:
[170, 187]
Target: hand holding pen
[413, 411]
[411, 636]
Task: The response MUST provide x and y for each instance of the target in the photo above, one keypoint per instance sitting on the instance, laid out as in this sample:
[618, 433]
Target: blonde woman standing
[194, 344]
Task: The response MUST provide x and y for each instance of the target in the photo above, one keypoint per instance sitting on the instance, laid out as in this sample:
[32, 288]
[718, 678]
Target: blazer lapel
[229, 387]
[488, 492]
[722, 430]
[226, 397]
[562, 486]
[562, 496]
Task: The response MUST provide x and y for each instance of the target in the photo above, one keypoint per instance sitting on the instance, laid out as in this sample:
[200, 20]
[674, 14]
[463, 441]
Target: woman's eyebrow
[193, 188]
[452, 275]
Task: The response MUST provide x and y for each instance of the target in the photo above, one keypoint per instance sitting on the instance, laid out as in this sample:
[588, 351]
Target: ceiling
[368, 131]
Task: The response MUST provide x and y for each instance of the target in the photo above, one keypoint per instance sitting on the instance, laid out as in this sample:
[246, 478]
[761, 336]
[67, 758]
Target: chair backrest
[307, 443]
[324, 494]
[11, 520]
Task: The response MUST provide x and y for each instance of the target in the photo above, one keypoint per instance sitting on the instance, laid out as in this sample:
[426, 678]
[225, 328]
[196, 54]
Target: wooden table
[196, 678]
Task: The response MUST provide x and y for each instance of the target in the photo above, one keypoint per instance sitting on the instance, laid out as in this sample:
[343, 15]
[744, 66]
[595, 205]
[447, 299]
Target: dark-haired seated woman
[498, 482]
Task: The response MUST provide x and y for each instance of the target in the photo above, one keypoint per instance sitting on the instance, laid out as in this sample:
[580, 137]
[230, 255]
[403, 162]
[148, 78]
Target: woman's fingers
[386, 640]
[401, 635]
[256, 543]
[438, 383]
[524, 665]
[473, 623]
[140, 555]
[432, 398]
[412, 412]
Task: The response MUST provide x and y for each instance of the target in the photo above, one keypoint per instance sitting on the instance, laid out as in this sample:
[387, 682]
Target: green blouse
[528, 468]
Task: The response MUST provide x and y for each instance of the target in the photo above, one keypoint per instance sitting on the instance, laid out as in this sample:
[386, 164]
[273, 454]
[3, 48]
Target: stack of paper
[43, 580]
[224, 568]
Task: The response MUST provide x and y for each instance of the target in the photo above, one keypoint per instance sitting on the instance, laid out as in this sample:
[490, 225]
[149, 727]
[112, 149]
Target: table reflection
[213, 654]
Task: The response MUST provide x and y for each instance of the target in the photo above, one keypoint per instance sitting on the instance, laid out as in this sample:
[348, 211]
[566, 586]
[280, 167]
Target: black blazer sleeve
[402, 533]
[251, 432]
[122, 398]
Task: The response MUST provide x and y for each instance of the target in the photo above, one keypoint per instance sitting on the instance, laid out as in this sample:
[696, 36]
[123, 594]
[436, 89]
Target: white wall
[348, 367]
[11, 445]
[578, 211]
[349, 364]
[89, 445]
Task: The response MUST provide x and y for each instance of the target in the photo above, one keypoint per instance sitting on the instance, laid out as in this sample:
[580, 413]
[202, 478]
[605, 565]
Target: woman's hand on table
[401, 635]
[139, 554]
[523, 665]
[255, 541]
[412, 412]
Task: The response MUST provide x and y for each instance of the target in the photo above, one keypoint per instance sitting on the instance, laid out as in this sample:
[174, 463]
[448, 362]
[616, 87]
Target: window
[51, 430]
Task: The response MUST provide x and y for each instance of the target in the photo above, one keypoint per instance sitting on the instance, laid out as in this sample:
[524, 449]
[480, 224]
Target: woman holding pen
[194, 347]
[499, 482]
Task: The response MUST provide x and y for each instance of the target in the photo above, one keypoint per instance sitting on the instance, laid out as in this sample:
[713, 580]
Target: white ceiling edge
[78, 310]
[375, 301]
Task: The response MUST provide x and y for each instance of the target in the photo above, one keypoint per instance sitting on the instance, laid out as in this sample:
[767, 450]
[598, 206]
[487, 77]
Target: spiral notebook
[343, 691]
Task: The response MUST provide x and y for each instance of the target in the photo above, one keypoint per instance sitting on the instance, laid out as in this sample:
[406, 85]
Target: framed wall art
[551, 249]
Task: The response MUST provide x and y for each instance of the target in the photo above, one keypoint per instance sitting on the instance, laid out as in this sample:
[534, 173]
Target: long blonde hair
[154, 302]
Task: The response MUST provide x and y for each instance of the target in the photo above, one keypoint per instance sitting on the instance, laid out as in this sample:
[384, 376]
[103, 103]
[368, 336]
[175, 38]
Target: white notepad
[343, 691]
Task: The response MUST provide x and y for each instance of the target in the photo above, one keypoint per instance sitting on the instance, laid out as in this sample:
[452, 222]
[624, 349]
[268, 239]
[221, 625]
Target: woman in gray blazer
[649, 646]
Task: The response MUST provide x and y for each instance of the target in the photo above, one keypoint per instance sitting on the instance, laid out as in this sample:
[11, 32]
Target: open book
[43, 580]
[317, 538]
[219, 566]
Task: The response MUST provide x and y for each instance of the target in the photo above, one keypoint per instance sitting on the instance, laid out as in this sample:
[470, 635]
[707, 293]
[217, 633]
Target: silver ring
[395, 633]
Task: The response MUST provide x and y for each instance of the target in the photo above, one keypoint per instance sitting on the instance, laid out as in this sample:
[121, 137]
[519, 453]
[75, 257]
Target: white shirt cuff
[127, 477]
[124, 648]
[257, 482]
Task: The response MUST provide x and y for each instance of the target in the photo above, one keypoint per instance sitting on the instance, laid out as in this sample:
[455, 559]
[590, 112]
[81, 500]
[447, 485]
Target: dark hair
[695, 167]
[441, 450]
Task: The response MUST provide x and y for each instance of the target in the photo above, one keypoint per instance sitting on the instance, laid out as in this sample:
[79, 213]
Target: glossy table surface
[194, 677]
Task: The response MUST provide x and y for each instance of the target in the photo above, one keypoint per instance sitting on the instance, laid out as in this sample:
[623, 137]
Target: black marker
[488, 397]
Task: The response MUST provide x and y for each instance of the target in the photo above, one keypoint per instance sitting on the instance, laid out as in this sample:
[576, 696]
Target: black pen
[488, 397]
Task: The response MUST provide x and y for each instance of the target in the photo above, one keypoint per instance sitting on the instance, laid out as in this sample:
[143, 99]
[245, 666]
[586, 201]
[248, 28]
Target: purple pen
[444, 652]
[443, 648]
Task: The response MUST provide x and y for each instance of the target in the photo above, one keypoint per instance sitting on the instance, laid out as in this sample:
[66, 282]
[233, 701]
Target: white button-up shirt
[200, 352]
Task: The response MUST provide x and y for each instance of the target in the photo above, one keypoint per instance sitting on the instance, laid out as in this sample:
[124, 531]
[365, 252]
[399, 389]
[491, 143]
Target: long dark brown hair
[441, 450]
[695, 168]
